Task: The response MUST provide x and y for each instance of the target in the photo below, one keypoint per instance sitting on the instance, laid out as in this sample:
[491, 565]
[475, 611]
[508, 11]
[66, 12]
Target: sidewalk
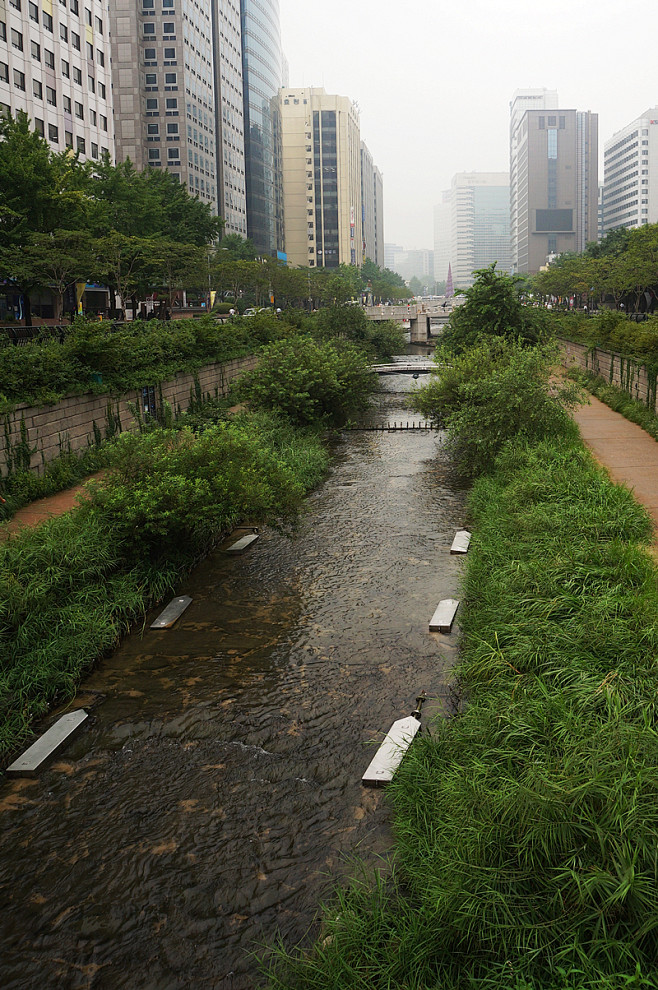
[629, 455]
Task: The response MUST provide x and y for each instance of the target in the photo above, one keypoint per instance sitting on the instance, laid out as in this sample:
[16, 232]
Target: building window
[170, 53]
[75, 40]
[149, 29]
[149, 54]
[151, 79]
[172, 102]
[169, 27]
[34, 11]
[92, 117]
[77, 75]
[19, 79]
[3, 31]
[91, 84]
[90, 52]
[16, 40]
[99, 24]
[53, 133]
[172, 128]
[94, 150]
[101, 90]
[4, 72]
[47, 21]
[66, 72]
[64, 32]
[36, 50]
[16, 4]
[80, 144]
[66, 103]
[79, 112]
[103, 122]
[38, 126]
[152, 128]
[37, 89]
[49, 58]
[88, 16]
[148, 4]
[154, 153]
[51, 96]
[73, 4]
[170, 78]
[100, 57]
[68, 139]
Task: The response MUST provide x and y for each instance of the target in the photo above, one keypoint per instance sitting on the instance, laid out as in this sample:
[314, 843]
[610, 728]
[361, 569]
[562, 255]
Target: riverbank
[526, 826]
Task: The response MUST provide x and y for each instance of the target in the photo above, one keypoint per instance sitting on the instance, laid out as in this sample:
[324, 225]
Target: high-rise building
[162, 74]
[472, 227]
[523, 99]
[415, 263]
[372, 204]
[321, 175]
[390, 251]
[262, 76]
[55, 66]
[553, 184]
[229, 116]
[630, 174]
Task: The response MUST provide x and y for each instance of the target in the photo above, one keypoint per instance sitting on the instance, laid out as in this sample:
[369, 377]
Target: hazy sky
[434, 80]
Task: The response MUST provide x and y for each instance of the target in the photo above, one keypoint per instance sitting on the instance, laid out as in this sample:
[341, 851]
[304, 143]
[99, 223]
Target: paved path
[629, 454]
[46, 508]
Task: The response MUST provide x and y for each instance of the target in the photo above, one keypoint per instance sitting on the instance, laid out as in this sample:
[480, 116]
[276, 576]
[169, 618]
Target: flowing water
[215, 798]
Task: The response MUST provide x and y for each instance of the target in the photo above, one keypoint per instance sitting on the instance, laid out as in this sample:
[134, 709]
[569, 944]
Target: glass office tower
[262, 77]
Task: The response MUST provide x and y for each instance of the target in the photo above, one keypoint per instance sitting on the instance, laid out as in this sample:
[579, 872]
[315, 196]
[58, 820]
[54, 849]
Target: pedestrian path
[628, 453]
[45, 508]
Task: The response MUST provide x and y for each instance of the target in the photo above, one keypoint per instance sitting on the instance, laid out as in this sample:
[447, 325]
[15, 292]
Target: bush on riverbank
[310, 381]
[492, 393]
[611, 330]
[71, 587]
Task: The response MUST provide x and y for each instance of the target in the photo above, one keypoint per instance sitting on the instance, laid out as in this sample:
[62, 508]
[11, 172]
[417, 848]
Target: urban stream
[216, 797]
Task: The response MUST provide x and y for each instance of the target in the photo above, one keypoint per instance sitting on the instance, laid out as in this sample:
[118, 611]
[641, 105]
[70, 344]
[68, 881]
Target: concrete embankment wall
[623, 372]
[75, 422]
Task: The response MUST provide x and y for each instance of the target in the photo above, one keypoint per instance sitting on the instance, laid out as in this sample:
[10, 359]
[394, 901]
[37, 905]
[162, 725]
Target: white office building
[630, 174]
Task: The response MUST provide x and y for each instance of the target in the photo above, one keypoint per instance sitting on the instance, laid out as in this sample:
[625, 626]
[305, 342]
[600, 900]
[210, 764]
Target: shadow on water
[214, 799]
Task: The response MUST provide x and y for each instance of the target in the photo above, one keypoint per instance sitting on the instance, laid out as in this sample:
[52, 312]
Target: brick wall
[70, 423]
[625, 373]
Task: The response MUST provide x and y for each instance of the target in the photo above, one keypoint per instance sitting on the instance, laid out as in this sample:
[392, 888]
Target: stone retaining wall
[625, 373]
[73, 423]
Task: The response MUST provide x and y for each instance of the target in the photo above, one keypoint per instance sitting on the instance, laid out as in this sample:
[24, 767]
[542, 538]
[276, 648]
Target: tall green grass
[526, 827]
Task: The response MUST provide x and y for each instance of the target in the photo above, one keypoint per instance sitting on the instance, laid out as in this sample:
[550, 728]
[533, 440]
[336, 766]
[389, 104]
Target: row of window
[80, 142]
[16, 38]
[33, 11]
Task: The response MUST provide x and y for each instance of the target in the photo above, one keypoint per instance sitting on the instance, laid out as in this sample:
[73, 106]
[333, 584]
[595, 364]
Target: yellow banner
[213, 293]
[79, 292]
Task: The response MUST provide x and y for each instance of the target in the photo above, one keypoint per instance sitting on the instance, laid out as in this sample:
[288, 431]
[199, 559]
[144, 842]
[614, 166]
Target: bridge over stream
[422, 317]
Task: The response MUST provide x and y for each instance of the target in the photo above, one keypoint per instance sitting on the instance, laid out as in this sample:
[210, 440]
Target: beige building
[321, 175]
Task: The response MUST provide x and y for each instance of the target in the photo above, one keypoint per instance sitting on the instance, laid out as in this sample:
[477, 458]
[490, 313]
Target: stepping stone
[461, 541]
[243, 544]
[444, 616]
[389, 755]
[35, 758]
[172, 613]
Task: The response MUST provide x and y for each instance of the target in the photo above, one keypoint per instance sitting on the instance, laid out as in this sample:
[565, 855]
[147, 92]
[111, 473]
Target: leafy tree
[237, 248]
[56, 260]
[493, 308]
[122, 260]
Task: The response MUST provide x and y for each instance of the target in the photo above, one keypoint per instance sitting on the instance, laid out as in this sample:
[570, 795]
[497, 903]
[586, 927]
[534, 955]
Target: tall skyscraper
[523, 99]
[262, 73]
[372, 220]
[55, 66]
[630, 174]
[472, 228]
[229, 116]
[321, 173]
[162, 73]
[553, 183]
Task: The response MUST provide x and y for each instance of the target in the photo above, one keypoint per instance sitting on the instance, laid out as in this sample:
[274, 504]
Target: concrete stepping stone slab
[461, 541]
[389, 755]
[172, 612]
[444, 615]
[39, 753]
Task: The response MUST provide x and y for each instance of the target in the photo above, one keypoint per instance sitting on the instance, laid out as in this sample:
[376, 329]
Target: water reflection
[217, 792]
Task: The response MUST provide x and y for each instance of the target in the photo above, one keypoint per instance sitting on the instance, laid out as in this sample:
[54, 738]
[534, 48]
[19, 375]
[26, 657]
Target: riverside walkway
[629, 455]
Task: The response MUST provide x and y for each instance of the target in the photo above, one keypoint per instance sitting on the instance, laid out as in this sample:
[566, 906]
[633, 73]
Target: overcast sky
[434, 80]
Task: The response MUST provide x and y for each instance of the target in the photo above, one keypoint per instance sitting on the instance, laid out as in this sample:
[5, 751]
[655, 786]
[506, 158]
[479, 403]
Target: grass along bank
[526, 826]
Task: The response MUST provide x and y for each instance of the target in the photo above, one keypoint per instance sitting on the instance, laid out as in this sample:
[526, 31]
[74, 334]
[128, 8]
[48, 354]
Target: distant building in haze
[372, 209]
[416, 263]
[390, 251]
[630, 174]
[553, 183]
[472, 228]
[229, 116]
[321, 178]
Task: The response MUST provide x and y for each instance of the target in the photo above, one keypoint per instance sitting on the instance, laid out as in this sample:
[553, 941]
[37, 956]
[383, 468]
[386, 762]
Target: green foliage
[493, 307]
[127, 355]
[496, 392]
[310, 381]
[377, 338]
[70, 587]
